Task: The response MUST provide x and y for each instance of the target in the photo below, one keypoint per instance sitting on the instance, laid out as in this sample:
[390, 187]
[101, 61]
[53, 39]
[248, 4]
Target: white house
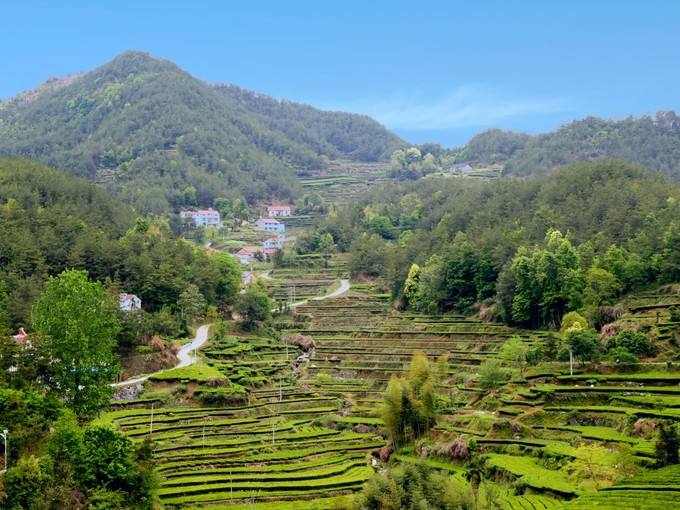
[273, 243]
[129, 302]
[270, 225]
[203, 217]
[275, 210]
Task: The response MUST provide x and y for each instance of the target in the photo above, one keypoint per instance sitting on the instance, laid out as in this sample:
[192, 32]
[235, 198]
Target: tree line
[524, 251]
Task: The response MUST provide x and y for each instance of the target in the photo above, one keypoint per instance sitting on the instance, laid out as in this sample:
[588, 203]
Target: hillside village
[214, 298]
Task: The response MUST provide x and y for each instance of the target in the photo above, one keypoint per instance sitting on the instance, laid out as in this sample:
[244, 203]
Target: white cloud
[466, 106]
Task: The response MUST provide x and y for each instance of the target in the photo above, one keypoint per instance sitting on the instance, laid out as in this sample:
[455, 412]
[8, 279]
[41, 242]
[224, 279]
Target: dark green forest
[653, 142]
[589, 232]
[163, 139]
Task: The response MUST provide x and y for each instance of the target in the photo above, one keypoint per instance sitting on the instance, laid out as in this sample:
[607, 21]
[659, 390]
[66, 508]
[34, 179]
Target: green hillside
[164, 139]
[653, 142]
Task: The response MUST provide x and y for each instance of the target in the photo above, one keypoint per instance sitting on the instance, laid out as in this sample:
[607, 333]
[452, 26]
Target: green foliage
[514, 352]
[411, 163]
[414, 486]
[50, 221]
[191, 303]
[456, 279]
[27, 484]
[584, 344]
[634, 342]
[601, 287]
[573, 321]
[622, 355]
[78, 321]
[615, 214]
[254, 306]
[28, 415]
[408, 408]
[368, 253]
[492, 374]
[547, 282]
[410, 291]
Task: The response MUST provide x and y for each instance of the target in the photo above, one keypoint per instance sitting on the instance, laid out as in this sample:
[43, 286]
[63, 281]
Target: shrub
[573, 321]
[492, 374]
[674, 312]
[26, 483]
[583, 343]
[621, 355]
[254, 306]
[229, 395]
[633, 341]
[514, 352]
[102, 499]
[415, 486]
[603, 315]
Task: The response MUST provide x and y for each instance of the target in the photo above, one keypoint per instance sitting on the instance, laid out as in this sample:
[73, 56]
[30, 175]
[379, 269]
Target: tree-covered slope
[51, 221]
[165, 139]
[653, 142]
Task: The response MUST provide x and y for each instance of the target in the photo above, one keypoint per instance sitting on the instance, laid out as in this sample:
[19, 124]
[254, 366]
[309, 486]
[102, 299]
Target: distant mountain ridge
[163, 139]
[653, 142]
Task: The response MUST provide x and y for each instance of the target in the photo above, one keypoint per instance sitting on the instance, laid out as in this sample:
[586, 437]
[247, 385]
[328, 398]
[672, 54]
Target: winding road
[185, 356]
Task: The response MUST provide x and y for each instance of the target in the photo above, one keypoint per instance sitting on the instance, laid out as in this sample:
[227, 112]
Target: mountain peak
[134, 62]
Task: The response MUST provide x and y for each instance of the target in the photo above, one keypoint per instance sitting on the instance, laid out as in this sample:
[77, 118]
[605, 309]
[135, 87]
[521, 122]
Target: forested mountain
[653, 142]
[164, 139]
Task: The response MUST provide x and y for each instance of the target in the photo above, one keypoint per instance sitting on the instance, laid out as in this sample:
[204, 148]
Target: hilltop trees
[78, 323]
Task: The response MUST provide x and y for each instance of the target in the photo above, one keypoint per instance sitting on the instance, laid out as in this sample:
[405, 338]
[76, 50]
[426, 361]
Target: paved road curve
[185, 356]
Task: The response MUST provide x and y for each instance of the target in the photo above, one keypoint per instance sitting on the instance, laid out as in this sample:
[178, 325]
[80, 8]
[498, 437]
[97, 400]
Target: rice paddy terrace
[262, 423]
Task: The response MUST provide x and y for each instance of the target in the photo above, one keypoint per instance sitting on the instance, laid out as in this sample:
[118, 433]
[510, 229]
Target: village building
[273, 243]
[129, 302]
[276, 210]
[270, 225]
[203, 217]
[246, 255]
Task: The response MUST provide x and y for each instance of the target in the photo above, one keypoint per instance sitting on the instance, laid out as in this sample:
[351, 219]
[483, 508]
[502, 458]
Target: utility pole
[6, 451]
[151, 423]
[571, 362]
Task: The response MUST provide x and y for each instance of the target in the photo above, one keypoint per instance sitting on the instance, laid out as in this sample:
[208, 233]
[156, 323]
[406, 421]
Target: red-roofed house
[246, 255]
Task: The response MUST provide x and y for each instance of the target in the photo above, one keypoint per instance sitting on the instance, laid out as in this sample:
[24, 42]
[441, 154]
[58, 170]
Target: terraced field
[262, 424]
[297, 284]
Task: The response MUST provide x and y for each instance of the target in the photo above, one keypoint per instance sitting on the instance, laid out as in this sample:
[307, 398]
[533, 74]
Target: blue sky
[431, 71]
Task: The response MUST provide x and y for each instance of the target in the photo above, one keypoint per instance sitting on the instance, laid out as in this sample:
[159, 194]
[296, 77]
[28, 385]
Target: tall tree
[78, 322]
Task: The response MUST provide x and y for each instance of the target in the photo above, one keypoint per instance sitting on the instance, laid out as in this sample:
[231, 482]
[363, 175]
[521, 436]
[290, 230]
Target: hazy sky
[431, 71]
